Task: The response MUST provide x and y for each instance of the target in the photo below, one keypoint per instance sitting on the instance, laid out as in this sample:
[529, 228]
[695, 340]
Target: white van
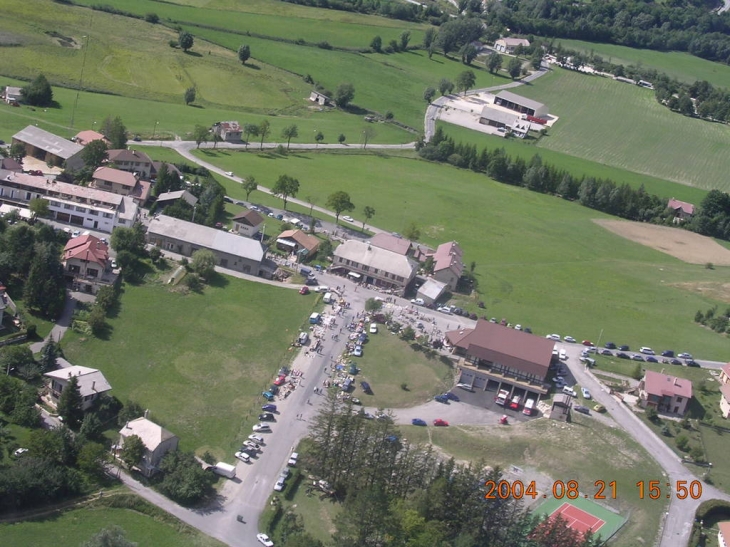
[328, 298]
[225, 470]
[569, 391]
[563, 355]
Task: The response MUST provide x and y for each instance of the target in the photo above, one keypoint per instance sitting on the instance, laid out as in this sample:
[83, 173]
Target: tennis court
[582, 515]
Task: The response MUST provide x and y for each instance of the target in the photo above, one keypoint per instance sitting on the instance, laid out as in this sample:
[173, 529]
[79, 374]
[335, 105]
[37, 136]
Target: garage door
[466, 378]
[480, 382]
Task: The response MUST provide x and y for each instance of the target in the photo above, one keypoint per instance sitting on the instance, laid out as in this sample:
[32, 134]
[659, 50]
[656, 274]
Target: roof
[124, 154]
[392, 243]
[10, 164]
[85, 137]
[128, 209]
[11, 90]
[725, 530]
[656, 383]
[374, 257]
[230, 126]
[726, 369]
[304, 240]
[172, 196]
[500, 116]
[250, 217]
[157, 165]
[516, 349]
[45, 185]
[151, 434]
[116, 176]
[448, 256]
[686, 207]
[209, 238]
[520, 100]
[87, 248]
[40, 138]
[514, 41]
[432, 289]
[90, 380]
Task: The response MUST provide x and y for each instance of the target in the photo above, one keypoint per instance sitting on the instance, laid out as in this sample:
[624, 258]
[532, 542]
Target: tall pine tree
[69, 404]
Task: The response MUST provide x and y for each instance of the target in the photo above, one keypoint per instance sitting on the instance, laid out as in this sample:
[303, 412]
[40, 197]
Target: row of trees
[394, 46]
[397, 493]
[394, 10]
[717, 321]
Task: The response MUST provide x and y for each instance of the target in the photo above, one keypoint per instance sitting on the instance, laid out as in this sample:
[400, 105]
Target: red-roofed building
[121, 182]
[725, 374]
[495, 357]
[665, 393]
[723, 534]
[248, 223]
[682, 210]
[85, 137]
[85, 260]
[228, 131]
[394, 244]
[724, 380]
[447, 264]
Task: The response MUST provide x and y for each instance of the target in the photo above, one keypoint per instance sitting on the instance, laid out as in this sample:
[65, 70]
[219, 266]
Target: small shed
[561, 407]
[431, 290]
[319, 98]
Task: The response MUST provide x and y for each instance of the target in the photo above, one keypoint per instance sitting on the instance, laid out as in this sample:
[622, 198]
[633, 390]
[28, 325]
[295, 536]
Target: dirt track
[682, 244]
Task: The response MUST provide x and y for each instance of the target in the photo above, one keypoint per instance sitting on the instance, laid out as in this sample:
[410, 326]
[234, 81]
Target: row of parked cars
[624, 352]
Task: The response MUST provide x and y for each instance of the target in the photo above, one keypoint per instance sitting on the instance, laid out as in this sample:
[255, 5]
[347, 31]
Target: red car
[304, 290]
[280, 380]
[440, 422]
[587, 343]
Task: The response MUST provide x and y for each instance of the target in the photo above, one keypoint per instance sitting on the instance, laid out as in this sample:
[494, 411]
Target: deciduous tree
[189, 95]
[368, 212]
[445, 86]
[290, 132]
[466, 80]
[38, 207]
[45, 288]
[428, 94]
[38, 92]
[264, 129]
[339, 202]
[132, 451]
[185, 39]
[244, 53]
[111, 536]
[344, 94]
[285, 187]
[200, 134]
[412, 232]
[250, 185]
[377, 44]
[514, 67]
[95, 153]
[203, 263]
[250, 130]
[494, 62]
[405, 37]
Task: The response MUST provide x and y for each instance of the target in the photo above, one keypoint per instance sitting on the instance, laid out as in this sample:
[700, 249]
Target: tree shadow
[252, 67]
[218, 281]
[354, 109]
[196, 106]
[192, 53]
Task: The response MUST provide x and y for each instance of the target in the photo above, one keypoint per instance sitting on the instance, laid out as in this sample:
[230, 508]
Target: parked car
[293, 459]
[569, 339]
[562, 355]
[261, 427]
[267, 395]
[599, 408]
[365, 387]
[622, 355]
[610, 345]
[267, 417]
[555, 337]
[441, 399]
[357, 352]
[515, 403]
[637, 357]
[311, 282]
[245, 458]
[250, 444]
[280, 380]
[440, 423]
[581, 408]
[452, 396]
[685, 355]
[304, 290]
[692, 363]
[466, 387]
[280, 484]
[19, 452]
[675, 362]
[269, 408]
[256, 438]
[373, 328]
[348, 218]
[528, 330]
[606, 352]
[418, 421]
[646, 350]
[444, 309]
[418, 302]
[624, 348]
[585, 392]
[569, 391]
[264, 540]
[667, 353]
[652, 359]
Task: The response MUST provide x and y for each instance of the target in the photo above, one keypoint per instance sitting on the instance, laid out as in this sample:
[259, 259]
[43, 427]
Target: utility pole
[81, 81]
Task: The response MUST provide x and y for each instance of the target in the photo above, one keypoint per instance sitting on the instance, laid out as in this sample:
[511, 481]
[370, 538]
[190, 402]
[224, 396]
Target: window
[68, 206]
[679, 399]
[107, 215]
[27, 195]
[375, 270]
[107, 183]
[81, 209]
[92, 212]
[92, 272]
[122, 221]
[365, 268]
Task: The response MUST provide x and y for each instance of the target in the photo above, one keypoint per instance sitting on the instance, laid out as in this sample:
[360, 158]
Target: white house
[364, 262]
[508, 45]
[92, 383]
[157, 440]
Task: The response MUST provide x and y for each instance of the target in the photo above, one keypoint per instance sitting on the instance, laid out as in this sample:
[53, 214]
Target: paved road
[677, 524]
[432, 111]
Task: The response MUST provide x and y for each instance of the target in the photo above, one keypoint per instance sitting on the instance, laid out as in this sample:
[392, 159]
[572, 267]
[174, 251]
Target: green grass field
[198, 362]
[577, 451]
[623, 126]
[73, 527]
[388, 362]
[574, 165]
[540, 260]
[680, 65]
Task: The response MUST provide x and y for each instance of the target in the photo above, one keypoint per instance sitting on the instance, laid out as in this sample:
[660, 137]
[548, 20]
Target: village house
[363, 262]
[682, 209]
[447, 264]
[157, 441]
[121, 182]
[92, 383]
[319, 98]
[228, 131]
[297, 242]
[665, 393]
[131, 161]
[12, 94]
[85, 137]
[85, 262]
[509, 45]
[248, 223]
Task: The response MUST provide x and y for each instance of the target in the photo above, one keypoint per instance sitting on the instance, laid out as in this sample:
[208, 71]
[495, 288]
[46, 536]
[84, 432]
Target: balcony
[505, 376]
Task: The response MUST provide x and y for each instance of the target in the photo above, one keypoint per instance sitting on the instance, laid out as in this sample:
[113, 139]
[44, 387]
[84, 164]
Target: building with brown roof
[447, 264]
[9, 164]
[121, 182]
[723, 534]
[85, 262]
[682, 209]
[132, 161]
[85, 137]
[296, 241]
[228, 131]
[665, 393]
[495, 357]
[248, 223]
[366, 263]
[392, 243]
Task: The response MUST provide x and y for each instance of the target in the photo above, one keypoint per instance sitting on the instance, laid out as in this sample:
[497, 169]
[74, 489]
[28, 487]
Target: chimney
[93, 385]
[127, 426]
[146, 414]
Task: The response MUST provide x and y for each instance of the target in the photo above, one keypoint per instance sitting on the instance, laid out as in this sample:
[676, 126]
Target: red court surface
[578, 519]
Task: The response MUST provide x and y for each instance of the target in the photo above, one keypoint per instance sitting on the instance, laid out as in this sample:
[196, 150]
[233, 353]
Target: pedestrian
[308, 402]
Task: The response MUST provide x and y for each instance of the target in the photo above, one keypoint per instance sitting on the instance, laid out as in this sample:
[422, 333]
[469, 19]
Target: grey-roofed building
[231, 251]
[373, 265]
[50, 148]
[157, 441]
[520, 104]
[496, 117]
[92, 383]
[508, 45]
[12, 94]
[431, 290]
[167, 197]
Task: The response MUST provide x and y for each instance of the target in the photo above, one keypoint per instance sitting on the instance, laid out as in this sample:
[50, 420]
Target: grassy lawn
[388, 362]
[576, 166]
[73, 527]
[680, 65]
[198, 362]
[630, 130]
[540, 260]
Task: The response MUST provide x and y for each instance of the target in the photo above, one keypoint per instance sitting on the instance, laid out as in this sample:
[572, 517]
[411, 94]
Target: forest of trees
[711, 218]
[394, 493]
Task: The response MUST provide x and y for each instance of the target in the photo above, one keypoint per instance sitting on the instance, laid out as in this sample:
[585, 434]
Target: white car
[229, 173]
[555, 337]
[348, 218]
[75, 234]
[250, 444]
[646, 351]
[114, 264]
[562, 355]
[586, 393]
[467, 387]
[261, 427]
[446, 310]
[280, 483]
[518, 327]
[293, 459]
[569, 339]
[418, 302]
[19, 452]
[256, 438]
[322, 288]
[373, 328]
[243, 457]
[264, 540]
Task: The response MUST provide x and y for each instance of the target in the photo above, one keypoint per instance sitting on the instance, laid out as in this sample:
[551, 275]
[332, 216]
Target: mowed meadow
[540, 261]
[623, 126]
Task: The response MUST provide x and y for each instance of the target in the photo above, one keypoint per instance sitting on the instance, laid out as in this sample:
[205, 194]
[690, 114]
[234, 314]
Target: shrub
[152, 18]
[697, 454]
[682, 442]
[173, 44]
[30, 329]
[324, 45]
[652, 414]
[281, 150]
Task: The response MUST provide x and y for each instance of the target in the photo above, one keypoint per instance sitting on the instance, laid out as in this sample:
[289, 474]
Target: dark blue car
[269, 408]
[418, 421]
[365, 387]
[442, 399]
[452, 396]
